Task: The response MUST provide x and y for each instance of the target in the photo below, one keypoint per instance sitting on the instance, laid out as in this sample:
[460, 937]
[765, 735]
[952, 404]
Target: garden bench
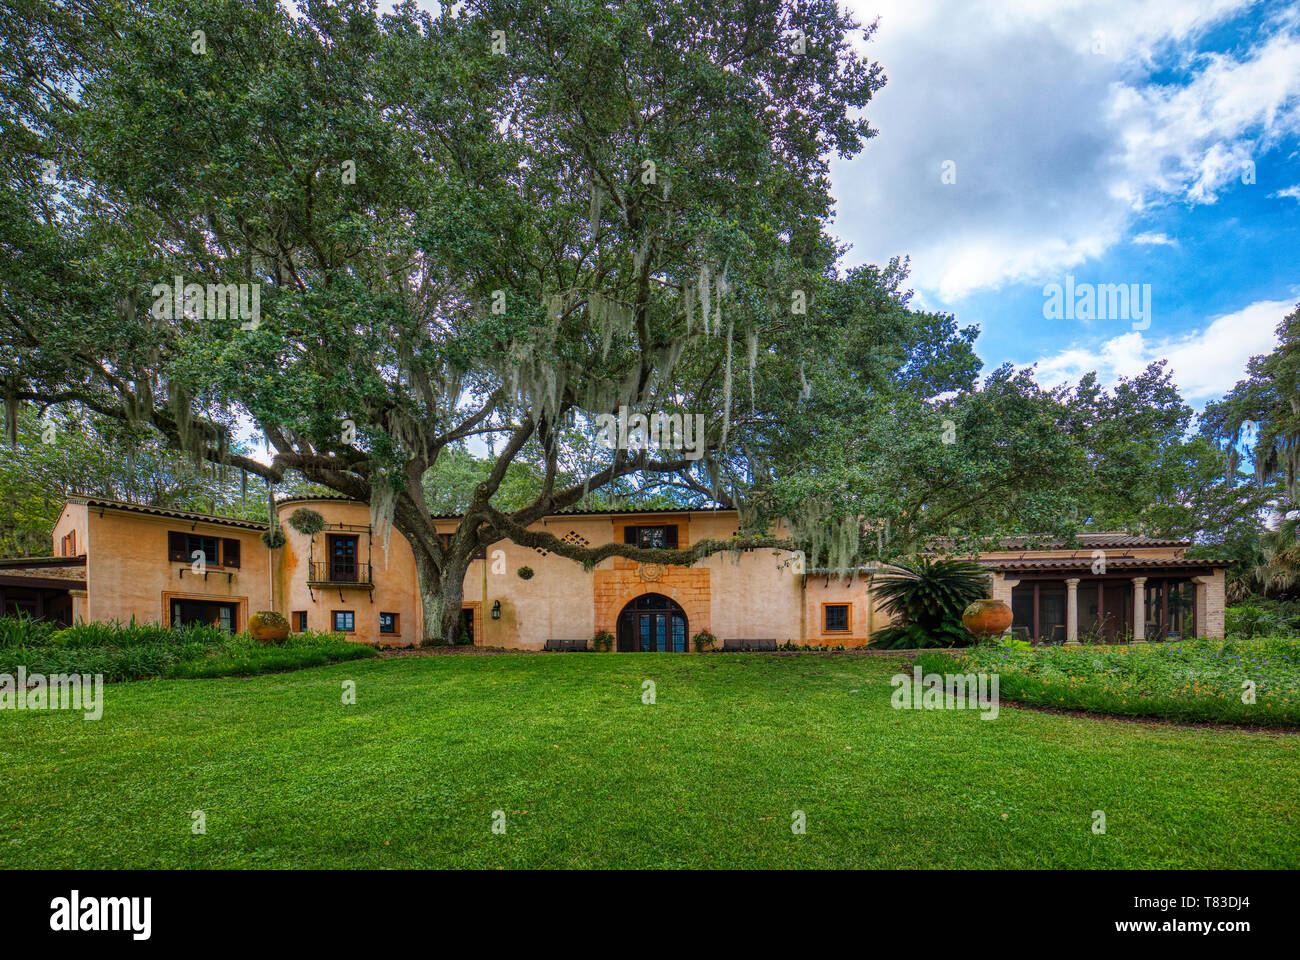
[748, 645]
[565, 645]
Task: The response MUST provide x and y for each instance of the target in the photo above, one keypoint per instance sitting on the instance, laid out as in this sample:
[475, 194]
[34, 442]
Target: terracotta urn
[987, 618]
[267, 626]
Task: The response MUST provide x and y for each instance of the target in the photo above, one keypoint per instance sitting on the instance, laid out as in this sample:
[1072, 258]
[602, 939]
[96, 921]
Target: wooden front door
[343, 558]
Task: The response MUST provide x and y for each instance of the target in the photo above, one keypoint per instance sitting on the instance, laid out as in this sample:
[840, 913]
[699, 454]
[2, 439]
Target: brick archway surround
[615, 589]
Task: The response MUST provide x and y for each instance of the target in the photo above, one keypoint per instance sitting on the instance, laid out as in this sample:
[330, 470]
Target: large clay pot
[987, 618]
[268, 627]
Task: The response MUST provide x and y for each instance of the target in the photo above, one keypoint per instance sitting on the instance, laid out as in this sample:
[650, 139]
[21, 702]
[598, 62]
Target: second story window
[216, 551]
[662, 537]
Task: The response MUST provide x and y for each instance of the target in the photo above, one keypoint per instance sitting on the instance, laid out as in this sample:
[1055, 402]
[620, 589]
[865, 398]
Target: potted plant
[525, 573]
[306, 521]
[267, 626]
[703, 641]
[602, 641]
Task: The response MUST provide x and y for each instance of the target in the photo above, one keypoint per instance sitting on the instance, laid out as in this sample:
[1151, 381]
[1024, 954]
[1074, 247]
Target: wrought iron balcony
[335, 573]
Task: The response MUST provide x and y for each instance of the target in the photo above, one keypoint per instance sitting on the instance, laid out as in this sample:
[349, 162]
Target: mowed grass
[590, 776]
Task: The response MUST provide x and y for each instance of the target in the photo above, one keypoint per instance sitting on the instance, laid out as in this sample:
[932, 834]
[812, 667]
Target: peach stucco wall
[394, 576]
[128, 573]
[72, 518]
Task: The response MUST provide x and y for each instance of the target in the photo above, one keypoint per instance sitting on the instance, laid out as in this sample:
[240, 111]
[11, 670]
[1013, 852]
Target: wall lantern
[496, 610]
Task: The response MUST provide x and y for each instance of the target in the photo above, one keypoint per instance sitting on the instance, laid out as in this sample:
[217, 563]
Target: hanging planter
[306, 521]
[273, 537]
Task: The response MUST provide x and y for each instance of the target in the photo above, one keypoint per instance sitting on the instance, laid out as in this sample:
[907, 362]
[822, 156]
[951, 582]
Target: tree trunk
[441, 593]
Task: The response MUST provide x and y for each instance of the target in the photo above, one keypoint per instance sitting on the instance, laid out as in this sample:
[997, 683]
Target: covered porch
[1071, 601]
[44, 588]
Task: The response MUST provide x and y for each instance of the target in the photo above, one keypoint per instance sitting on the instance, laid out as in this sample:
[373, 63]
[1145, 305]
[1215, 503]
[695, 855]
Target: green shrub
[915, 636]
[121, 636]
[1250, 620]
[926, 599]
[1197, 680]
[243, 656]
[138, 651]
[24, 630]
[602, 641]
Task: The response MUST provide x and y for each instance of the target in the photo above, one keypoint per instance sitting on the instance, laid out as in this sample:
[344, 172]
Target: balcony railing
[337, 573]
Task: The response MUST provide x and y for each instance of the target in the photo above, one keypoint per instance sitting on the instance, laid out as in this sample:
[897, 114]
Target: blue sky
[1105, 140]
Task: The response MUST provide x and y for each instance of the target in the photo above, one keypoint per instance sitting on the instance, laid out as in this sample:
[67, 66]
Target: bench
[735, 645]
[565, 645]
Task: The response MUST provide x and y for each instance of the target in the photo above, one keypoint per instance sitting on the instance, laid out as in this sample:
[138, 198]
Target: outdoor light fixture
[496, 610]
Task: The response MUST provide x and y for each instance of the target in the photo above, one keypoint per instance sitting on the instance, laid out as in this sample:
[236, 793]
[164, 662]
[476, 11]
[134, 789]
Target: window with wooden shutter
[176, 547]
[629, 535]
[230, 552]
[670, 536]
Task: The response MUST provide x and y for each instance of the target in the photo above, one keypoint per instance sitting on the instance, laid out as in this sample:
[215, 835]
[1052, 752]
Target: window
[652, 538]
[344, 621]
[70, 544]
[300, 620]
[388, 623]
[223, 615]
[216, 552]
[835, 617]
[208, 545]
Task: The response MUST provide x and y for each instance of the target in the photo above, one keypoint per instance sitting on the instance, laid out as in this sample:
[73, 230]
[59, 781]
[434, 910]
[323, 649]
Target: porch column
[1139, 609]
[78, 605]
[1072, 611]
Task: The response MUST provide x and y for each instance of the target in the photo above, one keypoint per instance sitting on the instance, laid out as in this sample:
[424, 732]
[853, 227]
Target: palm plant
[926, 599]
[1277, 574]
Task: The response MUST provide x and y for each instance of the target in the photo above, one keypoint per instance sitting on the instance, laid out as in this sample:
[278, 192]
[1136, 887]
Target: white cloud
[1154, 239]
[1292, 192]
[1189, 142]
[1205, 363]
[1056, 148]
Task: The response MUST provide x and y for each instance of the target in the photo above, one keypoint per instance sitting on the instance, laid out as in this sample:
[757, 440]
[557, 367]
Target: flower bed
[1191, 680]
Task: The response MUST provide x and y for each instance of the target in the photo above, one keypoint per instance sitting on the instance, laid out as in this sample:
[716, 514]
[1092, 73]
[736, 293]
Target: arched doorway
[652, 622]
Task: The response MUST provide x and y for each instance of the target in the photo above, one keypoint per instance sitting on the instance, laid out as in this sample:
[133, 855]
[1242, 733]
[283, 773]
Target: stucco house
[116, 560]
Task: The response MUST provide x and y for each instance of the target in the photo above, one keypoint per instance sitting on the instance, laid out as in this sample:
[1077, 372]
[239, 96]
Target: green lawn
[589, 776]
